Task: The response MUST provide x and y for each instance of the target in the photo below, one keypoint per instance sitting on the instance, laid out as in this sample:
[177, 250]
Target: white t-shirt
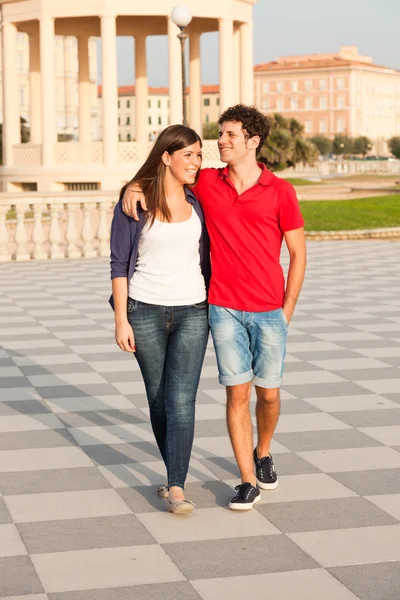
[168, 269]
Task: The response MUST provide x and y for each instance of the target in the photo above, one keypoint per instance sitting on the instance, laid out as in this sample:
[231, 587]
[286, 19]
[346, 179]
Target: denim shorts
[250, 346]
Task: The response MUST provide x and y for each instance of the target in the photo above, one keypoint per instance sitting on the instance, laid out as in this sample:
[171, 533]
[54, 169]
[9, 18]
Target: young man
[248, 212]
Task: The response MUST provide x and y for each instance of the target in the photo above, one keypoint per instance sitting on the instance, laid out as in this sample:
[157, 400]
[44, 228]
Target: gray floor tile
[24, 407]
[21, 577]
[120, 454]
[291, 464]
[76, 391]
[5, 516]
[379, 581]
[295, 407]
[313, 515]
[102, 417]
[166, 591]
[36, 439]
[238, 556]
[342, 388]
[325, 440]
[84, 534]
[369, 483]
[56, 369]
[371, 418]
[60, 480]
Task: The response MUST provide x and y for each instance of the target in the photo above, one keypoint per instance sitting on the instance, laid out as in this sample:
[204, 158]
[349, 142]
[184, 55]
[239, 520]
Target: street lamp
[181, 15]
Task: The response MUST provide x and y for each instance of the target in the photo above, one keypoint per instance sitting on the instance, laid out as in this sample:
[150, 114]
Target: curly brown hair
[253, 121]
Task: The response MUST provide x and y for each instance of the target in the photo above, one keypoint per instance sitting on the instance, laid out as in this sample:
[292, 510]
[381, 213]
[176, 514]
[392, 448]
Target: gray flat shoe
[181, 507]
[162, 491]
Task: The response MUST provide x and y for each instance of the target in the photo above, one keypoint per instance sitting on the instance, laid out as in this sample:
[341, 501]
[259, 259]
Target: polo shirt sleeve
[289, 214]
[201, 187]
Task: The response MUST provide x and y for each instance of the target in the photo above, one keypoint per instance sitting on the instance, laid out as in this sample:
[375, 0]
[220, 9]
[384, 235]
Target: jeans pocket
[284, 317]
[131, 305]
[203, 304]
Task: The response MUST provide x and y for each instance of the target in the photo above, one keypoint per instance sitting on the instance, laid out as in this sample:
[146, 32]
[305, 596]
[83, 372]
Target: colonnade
[236, 83]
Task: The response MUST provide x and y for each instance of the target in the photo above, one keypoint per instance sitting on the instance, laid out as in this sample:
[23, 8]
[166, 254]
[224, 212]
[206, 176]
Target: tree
[210, 131]
[323, 144]
[25, 136]
[394, 146]
[285, 146]
[342, 144]
[362, 145]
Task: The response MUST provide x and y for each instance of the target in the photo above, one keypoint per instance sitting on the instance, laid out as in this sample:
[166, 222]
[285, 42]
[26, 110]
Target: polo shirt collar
[265, 178]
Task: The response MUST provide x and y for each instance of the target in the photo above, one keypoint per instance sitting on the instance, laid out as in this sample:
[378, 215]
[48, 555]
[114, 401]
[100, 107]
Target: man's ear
[255, 141]
[166, 159]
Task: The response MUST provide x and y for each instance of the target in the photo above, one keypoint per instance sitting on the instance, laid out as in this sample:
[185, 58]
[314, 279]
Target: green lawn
[363, 213]
[299, 181]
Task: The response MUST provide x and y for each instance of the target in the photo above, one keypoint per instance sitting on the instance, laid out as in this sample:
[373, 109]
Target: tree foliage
[323, 144]
[286, 146]
[210, 131]
[394, 146]
[342, 144]
[362, 145]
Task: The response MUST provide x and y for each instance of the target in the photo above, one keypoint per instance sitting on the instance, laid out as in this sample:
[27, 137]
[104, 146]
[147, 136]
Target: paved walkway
[79, 517]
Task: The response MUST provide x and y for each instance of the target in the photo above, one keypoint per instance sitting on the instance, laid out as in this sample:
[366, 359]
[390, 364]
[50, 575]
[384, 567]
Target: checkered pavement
[79, 516]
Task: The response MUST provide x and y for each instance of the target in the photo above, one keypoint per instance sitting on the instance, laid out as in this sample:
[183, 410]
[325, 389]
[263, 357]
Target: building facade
[66, 84]
[158, 113]
[333, 93]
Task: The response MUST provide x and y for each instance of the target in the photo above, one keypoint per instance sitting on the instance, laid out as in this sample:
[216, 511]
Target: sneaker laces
[266, 467]
[243, 491]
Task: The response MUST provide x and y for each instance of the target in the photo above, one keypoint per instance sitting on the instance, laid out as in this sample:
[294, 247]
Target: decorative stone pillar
[48, 87]
[226, 69]
[175, 75]
[110, 89]
[11, 124]
[34, 88]
[195, 120]
[246, 64]
[141, 91]
[85, 125]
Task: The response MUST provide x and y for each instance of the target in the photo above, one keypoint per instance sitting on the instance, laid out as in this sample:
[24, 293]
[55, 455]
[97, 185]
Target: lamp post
[181, 15]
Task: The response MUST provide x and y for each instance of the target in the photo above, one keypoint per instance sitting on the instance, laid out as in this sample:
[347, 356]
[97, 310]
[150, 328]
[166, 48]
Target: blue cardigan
[125, 235]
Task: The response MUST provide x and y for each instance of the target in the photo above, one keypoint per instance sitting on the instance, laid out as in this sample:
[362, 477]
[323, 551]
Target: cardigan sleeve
[122, 231]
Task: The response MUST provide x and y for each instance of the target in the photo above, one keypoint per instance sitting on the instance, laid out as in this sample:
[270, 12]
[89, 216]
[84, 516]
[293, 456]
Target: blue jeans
[250, 346]
[170, 347]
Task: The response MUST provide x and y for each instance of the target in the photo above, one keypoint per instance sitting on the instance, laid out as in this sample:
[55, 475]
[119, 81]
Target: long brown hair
[150, 176]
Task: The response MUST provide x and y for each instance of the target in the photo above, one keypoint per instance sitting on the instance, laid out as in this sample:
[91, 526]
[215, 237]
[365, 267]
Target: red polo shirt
[246, 233]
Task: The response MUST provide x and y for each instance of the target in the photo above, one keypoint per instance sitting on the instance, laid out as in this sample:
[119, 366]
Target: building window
[119, 120]
[217, 101]
[20, 61]
[340, 102]
[340, 126]
[265, 105]
[149, 120]
[308, 103]
[279, 87]
[308, 85]
[128, 137]
[322, 126]
[279, 104]
[159, 120]
[322, 102]
[308, 126]
[149, 103]
[340, 83]
[128, 120]
[21, 96]
[293, 104]
[265, 87]
[128, 104]
[119, 103]
[158, 103]
[206, 101]
[294, 86]
[207, 118]
[322, 84]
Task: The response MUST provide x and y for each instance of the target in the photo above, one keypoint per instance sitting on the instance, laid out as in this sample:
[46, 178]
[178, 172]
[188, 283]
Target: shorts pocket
[284, 317]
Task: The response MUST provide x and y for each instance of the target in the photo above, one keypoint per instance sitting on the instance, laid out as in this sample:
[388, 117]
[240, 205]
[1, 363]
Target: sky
[286, 28]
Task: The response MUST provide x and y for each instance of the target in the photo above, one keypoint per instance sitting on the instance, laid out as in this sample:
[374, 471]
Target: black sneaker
[267, 479]
[245, 497]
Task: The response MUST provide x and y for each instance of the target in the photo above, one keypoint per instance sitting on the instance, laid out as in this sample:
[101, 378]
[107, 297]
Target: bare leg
[267, 412]
[241, 429]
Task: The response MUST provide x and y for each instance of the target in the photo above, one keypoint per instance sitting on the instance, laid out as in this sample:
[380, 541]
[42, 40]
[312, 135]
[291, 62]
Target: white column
[141, 91]
[238, 71]
[195, 120]
[11, 124]
[110, 89]
[226, 62]
[175, 75]
[34, 89]
[85, 121]
[48, 87]
[246, 64]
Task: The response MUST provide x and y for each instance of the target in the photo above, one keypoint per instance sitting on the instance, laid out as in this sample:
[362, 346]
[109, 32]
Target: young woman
[160, 270]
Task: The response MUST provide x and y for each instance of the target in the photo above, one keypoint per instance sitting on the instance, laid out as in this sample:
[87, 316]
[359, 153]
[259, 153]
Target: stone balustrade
[55, 226]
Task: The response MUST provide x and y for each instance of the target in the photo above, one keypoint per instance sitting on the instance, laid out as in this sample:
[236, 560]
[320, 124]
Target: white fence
[48, 226]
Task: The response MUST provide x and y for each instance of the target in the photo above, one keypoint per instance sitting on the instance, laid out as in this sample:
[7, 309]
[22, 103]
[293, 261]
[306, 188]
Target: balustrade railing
[49, 226]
